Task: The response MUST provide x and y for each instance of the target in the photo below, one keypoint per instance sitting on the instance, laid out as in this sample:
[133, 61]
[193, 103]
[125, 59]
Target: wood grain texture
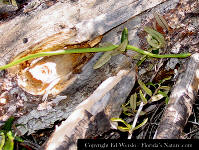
[69, 23]
[66, 23]
[181, 102]
[92, 117]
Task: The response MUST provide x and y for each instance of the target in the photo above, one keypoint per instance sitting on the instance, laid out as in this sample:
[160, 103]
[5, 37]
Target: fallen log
[60, 26]
[92, 117]
[65, 23]
[181, 102]
[54, 30]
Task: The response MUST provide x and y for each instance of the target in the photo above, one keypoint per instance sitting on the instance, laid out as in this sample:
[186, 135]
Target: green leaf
[14, 3]
[2, 142]
[123, 129]
[9, 143]
[103, 60]
[19, 139]
[165, 94]
[121, 120]
[142, 113]
[151, 84]
[120, 48]
[142, 59]
[161, 21]
[143, 97]
[143, 86]
[20, 125]
[156, 97]
[5, 2]
[167, 100]
[153, 42]
[141, 125]
[133, 102]
[167, 88]
[107, 55]
[165, 79]
[128, 113]
[156, 35]
[125, 108]
[124, 35]
[105, 44]
[138, 103]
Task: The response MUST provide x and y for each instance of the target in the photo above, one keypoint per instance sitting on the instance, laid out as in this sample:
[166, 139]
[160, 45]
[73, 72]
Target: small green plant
[7, 136]
[114, 48]
[118, 50]
[128, 127]
[155, 40]
[146, 96]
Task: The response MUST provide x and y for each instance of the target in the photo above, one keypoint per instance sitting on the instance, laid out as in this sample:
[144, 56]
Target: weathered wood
[84, 126]
[183, 95]
[181, 102]
[92, 117]
[83, 85]
[66, 23]
[54, 28]
[37, 114]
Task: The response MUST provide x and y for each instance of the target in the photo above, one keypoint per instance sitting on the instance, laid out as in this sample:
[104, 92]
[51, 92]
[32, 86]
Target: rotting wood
[92, 117]
[35, 113]
[85, 19]
[181, 102]
[82, 86]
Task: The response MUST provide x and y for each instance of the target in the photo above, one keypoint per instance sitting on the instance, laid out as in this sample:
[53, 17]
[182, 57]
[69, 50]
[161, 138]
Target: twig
[135, 119]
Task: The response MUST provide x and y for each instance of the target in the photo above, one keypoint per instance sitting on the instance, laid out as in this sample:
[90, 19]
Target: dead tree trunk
[181, 102]
[60, 26]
